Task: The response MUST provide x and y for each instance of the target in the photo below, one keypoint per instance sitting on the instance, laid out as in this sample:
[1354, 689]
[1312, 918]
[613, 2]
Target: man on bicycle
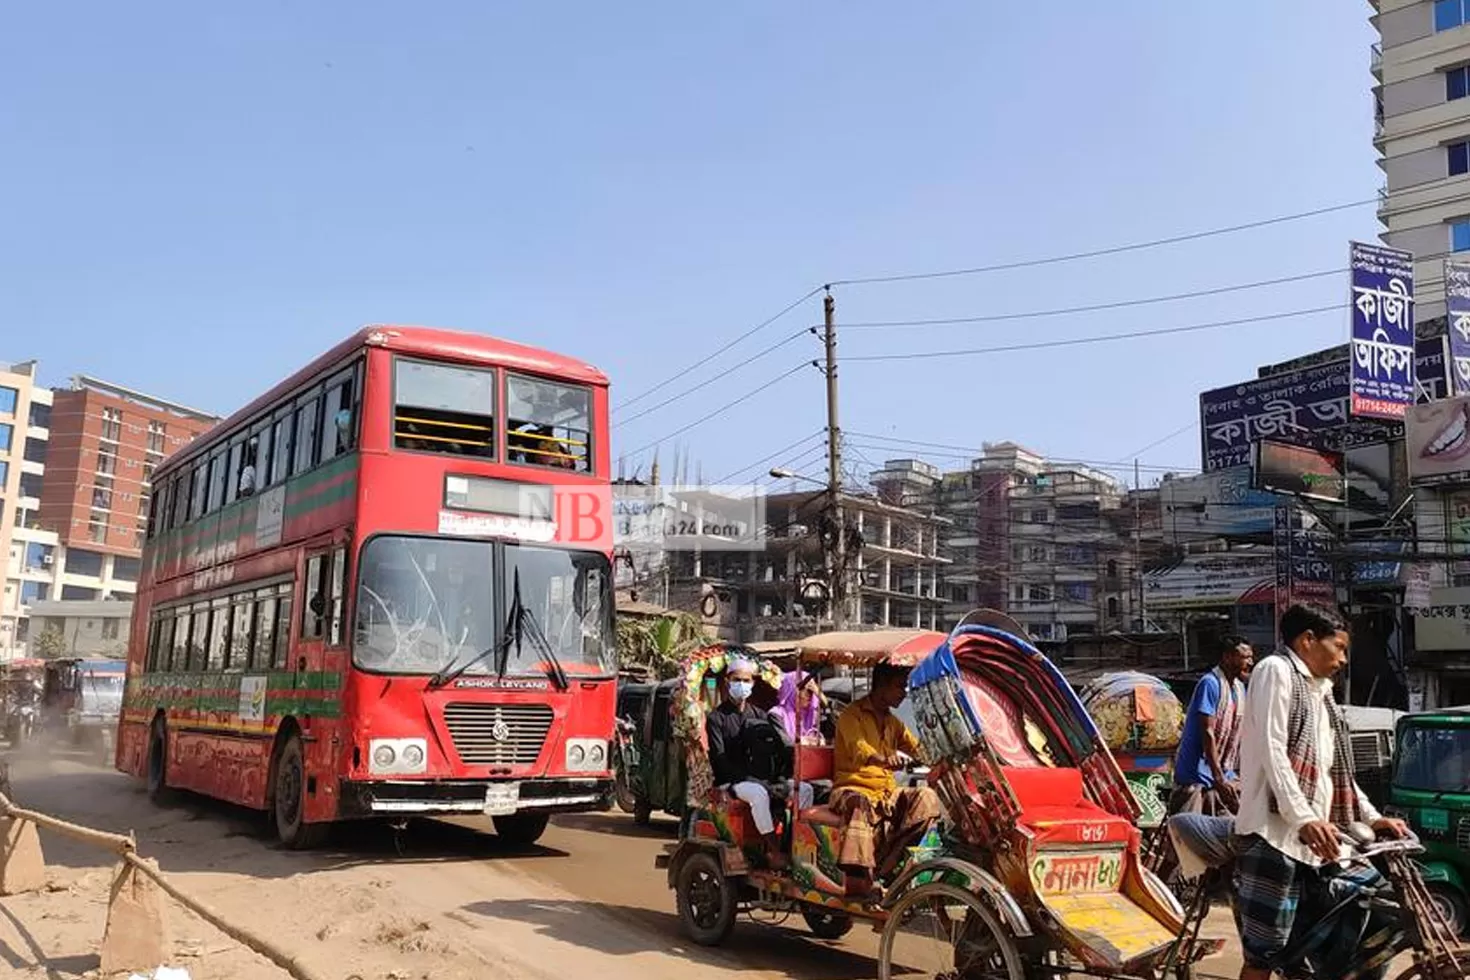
[1297, 794]
[1207, 764]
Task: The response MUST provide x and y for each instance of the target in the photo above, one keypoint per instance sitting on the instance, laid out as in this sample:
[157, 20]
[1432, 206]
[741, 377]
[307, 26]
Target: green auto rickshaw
[1431, 790]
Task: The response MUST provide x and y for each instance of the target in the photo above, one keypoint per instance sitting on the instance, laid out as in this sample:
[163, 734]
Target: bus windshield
[1433, 759]
[426, 605]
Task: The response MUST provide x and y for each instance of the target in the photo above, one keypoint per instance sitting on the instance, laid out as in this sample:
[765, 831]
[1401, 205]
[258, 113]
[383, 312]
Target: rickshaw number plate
[502, 799]
[1434, 819]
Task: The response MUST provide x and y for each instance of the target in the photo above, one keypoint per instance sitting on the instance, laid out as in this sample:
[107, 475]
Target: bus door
[320, 656]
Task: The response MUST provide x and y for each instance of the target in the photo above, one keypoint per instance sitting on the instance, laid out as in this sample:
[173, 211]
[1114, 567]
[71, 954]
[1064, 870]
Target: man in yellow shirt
[882, 820]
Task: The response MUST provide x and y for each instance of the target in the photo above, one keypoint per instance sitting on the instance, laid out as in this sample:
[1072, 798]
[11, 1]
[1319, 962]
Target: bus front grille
[498, 734]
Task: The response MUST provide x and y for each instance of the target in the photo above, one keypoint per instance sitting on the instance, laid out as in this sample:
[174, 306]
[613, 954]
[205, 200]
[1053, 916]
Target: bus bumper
[449, 797]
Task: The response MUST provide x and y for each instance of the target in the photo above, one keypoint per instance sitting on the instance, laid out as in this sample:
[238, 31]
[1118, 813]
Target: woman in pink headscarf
[799, 709]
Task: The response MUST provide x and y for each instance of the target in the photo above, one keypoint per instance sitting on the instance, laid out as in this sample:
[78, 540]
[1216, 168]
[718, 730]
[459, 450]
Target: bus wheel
[157, 772]
[289, 800]
[521, 829]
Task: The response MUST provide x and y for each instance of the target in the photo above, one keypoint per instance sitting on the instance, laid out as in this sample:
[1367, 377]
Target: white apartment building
[1422, 131]
[38, 568]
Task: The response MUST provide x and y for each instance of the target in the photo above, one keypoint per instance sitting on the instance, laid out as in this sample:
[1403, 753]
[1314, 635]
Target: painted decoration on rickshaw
[1002, 722]
[944, 730]
[1111, 928]
[814, 851]
[1134, 712]
[1150, 790]
[1071, 872]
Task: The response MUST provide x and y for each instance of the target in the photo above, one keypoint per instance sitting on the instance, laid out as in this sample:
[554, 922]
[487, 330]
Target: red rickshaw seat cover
[1055, 810]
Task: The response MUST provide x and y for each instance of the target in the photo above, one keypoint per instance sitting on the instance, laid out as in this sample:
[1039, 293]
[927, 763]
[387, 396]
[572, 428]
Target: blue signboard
[1382, 313]
[1298, 405]
[1457, 313]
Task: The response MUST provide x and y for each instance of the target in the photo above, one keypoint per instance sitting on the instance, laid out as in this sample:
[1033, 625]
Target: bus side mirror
[318, 604]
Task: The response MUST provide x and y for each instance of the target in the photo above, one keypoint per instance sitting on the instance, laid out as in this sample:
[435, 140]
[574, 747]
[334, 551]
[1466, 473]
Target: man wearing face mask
[742, 742]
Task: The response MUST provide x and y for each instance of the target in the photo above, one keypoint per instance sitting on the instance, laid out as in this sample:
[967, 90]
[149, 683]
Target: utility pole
[834, 467]
[1138, 548]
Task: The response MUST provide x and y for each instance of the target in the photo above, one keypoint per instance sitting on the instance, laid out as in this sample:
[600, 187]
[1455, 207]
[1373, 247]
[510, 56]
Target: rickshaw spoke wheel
[942, 932]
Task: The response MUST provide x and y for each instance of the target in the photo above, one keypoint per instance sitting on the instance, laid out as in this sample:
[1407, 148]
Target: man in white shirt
[1297, 790]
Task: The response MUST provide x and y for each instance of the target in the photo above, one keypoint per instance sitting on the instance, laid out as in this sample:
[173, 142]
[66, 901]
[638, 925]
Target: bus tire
[156, 768]
[521, 829]
[288, 799]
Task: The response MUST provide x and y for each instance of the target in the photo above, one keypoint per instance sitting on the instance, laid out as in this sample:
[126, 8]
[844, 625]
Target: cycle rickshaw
[1039, 871]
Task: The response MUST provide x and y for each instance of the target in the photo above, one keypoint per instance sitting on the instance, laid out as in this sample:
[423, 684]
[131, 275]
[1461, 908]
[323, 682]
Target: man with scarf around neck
[1297, 791]
[1207, 765]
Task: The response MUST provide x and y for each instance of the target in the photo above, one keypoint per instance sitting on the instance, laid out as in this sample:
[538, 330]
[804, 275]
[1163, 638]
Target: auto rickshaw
[22, 690]
[1039, 861]
[1431, 790]
[652, 767]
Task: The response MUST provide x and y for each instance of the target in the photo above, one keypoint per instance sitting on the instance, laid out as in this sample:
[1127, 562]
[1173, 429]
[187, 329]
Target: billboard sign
[1215, 505]
[1382, 314]
[1300, 471]
[1457, 316]
[1298, 406]
[1437, 442]
[1206, 581]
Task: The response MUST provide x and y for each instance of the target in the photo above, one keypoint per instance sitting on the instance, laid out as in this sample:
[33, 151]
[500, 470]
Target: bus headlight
[586, 755]
[383, 756]
[397, 756]
[413, 756]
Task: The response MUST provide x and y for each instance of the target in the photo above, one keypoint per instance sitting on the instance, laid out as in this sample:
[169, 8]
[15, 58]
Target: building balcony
[1375, 61]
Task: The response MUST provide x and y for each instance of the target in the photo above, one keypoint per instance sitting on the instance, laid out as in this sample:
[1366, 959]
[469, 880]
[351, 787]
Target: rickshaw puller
[881, 819]
[742, 742]
[1297, 792]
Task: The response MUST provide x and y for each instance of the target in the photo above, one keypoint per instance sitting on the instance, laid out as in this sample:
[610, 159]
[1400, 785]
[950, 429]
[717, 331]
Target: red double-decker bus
[383, 589]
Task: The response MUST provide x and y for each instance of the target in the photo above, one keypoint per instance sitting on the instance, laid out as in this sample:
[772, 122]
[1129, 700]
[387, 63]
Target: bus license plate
[502, 799]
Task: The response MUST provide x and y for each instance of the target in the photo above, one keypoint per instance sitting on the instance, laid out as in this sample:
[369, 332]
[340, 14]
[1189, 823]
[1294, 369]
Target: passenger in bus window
[247, 472]
[538, 445]
[343, 429]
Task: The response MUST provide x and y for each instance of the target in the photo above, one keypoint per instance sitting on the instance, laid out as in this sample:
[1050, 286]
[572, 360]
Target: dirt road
[442, 901]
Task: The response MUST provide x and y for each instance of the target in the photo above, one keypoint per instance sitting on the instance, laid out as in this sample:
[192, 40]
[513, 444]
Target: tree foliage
[49, 643]
[659, 643]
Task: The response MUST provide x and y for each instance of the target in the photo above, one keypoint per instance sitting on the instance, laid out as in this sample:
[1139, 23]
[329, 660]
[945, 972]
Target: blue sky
[199, 199]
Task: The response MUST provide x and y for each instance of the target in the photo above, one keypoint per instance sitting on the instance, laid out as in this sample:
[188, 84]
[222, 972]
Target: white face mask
[741, 690]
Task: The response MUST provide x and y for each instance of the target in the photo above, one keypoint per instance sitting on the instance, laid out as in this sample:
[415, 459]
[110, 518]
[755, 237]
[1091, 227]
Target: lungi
[875, 831]
[1280, 901]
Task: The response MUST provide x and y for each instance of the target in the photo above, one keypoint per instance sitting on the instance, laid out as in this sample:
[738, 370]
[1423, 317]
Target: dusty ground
[442, 901]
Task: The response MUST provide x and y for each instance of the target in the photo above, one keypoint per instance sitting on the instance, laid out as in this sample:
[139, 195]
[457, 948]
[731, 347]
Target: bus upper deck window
[548, 424]
[442, 408]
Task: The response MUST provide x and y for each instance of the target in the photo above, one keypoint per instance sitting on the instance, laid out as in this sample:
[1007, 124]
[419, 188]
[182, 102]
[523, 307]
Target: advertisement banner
[1282, 548]
[1206, 581]
[1300, 471]
[1437, 442]
[1311, 564]
[1445, 624]
[1297, 405]
[1457, 318]
[1382, 314]
[1215, 505]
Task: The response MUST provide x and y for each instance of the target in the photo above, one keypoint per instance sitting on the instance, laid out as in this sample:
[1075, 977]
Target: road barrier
[136, 937]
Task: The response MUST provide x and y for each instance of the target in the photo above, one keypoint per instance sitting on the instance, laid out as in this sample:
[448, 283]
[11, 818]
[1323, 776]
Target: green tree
[659, 643]
[50, 643]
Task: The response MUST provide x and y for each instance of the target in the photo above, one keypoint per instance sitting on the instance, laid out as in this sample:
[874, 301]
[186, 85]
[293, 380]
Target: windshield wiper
[451, 672]
[558, 673]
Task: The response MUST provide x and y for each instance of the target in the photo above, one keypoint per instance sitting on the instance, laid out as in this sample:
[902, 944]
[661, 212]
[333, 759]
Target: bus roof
[430, 342]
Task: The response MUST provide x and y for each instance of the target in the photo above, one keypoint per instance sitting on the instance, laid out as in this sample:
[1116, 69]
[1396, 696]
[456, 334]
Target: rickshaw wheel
[827, 925]
[978, 946]
[707, 899]
[1452, 905]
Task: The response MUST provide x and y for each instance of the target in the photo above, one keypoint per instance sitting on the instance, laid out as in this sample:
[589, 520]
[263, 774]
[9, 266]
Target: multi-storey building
[27, 551]
[1421, 65]
[75, 467]
[106, 441]
[1048, 543]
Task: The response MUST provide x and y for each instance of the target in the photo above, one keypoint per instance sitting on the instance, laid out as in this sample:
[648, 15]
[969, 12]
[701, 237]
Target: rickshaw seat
[1054, 808]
